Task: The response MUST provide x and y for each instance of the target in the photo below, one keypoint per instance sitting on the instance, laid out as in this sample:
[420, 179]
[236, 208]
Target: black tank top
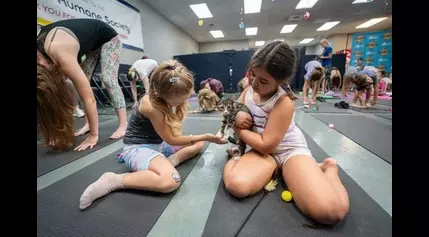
[90, 33]
[140, 130]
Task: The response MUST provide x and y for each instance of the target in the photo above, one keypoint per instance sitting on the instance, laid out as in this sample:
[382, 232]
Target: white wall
[162, 39]
[220, 46]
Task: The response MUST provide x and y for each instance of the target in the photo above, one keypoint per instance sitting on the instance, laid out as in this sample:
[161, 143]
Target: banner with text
[123, 17]
[375, 48]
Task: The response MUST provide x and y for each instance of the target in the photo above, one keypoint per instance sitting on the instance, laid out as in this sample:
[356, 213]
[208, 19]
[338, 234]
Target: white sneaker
[78, 113]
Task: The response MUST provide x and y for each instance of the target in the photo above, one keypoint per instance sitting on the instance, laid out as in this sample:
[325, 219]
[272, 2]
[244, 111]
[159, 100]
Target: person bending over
[214, 85]
[363, 83]
[314, 73]
[153, 142]
[351, 71]
[371, 72]
[336, 78]
[140, 70]
[72, 49]
[277, 143]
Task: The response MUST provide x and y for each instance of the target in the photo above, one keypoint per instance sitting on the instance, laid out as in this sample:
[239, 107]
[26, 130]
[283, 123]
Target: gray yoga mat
[49, 160]
[120, 214]
[386, 116]
[371, 134]
[378, 108]
[273, 217]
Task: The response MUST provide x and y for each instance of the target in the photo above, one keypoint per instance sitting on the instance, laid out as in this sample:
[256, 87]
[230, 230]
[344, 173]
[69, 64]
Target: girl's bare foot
[328, 163]
[83, 130]
[119, 133]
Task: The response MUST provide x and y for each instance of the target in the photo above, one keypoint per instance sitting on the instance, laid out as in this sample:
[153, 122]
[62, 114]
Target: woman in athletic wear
[140, 70]
[277, 142]
[315, 72]
[153, 142]
[71, 49]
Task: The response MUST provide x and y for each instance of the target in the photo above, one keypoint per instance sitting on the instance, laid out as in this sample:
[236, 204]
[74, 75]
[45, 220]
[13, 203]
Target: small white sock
[107, 183]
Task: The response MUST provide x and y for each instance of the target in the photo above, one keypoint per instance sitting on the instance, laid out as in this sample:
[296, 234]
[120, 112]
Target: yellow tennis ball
[286, 196]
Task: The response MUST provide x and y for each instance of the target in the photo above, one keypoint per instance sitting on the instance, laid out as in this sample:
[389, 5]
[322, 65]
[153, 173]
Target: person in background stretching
[153, 142]
[140, 70]
[371, 72]
[326, 58]
[214, 85]
[71, 49]
[314, 72]
[277, 143]
[336, 79]
[351, 71]
[208, 101]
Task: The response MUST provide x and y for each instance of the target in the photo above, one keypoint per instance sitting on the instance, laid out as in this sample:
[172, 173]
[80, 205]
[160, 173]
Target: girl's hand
[243, 120]
[89, 142]
[215, 139]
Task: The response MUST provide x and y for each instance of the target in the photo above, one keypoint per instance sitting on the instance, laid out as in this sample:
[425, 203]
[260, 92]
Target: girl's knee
[170, 183]
[237, 186]
[328, 212]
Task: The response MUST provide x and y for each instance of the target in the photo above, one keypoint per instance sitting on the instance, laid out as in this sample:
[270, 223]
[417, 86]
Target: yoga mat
[48, 160]
[369, 133]
[212, 114]
[120, 214]
[378, 108]
[321, 107]
[386, 116]
[273, 217]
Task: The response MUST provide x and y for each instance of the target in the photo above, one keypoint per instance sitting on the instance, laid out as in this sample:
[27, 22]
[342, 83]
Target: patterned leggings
[108, 54]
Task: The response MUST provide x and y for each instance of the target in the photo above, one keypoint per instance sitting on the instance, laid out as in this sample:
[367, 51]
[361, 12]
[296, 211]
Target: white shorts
[284, 156]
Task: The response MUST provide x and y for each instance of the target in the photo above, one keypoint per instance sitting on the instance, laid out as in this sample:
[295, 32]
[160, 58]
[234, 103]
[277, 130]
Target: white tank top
[260, 112]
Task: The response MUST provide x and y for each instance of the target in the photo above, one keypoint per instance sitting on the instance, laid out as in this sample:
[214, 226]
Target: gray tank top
[140, 130]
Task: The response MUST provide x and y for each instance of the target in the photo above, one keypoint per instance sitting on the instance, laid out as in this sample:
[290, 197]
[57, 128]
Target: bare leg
[376, 91]
[186, 153]
[317, 188]
[247, 175]
[122, 120]
[160, 177]
[305, 89]
[316, 85]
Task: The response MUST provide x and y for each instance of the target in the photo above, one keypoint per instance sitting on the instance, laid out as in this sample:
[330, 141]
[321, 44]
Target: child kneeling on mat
[208, 101]
[153, 142]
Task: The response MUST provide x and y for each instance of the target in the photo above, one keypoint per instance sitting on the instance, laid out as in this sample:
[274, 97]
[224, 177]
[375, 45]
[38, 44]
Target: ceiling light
[252, 6]
[371, 22]
[306, 41]
[304, 4]
[217, 33]
[252, 31]
[201, 10]
[328, 25]
[361, 1]
[259, 43]
[288, 28]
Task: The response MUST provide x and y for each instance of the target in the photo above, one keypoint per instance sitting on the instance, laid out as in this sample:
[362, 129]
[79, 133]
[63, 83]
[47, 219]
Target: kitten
[230, 109]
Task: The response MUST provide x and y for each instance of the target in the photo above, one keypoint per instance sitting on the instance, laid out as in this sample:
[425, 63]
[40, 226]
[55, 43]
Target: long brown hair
[208, 100]
[171, 79]
[55, 107]
[278, 59]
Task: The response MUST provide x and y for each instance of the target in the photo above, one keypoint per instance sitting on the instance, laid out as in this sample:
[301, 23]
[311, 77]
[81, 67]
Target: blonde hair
[208, 100]
[168, 80]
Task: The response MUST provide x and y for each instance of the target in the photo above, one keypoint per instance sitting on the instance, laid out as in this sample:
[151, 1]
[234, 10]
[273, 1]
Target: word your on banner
[123, 17]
